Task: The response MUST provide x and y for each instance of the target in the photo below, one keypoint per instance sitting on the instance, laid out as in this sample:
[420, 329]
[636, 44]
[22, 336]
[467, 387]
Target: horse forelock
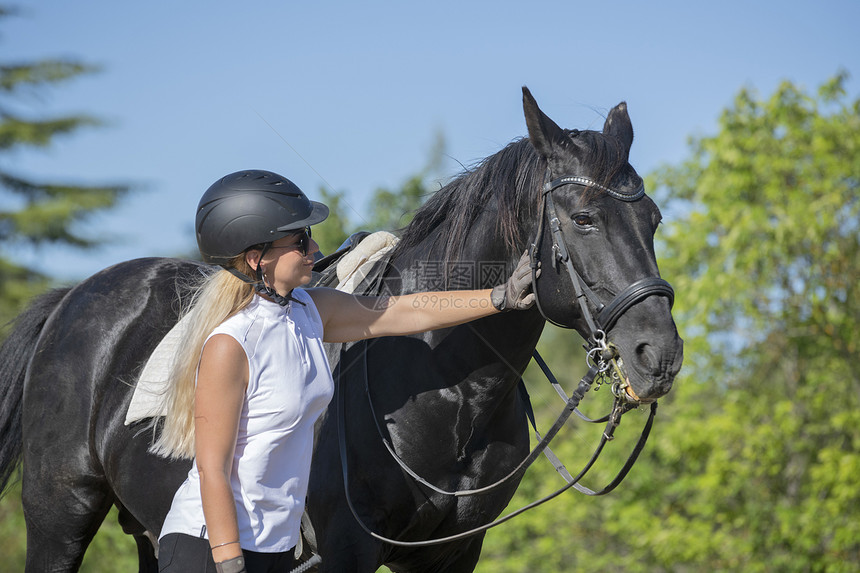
[607, 161]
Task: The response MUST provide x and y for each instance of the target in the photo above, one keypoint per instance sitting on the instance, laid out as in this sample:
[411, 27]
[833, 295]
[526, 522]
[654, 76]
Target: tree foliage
[754, 464]
[394, 209]
[768, 264]
[332, 232]
[38, 211]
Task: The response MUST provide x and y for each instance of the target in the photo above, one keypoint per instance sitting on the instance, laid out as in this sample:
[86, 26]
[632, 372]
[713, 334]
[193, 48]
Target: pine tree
[35, 211]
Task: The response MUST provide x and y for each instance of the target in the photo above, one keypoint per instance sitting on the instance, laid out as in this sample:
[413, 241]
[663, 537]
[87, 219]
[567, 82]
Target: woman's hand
[516, 293]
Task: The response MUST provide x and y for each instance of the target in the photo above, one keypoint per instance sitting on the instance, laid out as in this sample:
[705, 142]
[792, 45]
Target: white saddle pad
[354, 266]
[146, 402]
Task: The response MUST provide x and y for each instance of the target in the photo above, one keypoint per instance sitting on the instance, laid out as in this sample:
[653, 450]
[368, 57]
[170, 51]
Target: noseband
[606, 315]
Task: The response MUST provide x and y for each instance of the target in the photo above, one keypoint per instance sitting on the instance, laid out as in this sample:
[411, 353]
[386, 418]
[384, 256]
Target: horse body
[445, 400]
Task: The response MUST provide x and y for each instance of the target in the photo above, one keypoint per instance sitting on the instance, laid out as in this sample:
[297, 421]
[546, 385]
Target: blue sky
[350, 95]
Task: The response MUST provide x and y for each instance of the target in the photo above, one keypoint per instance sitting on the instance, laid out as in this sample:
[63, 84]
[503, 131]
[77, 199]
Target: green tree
[768, 261]
[394, 209]
[332, 232]
[39, 212]
[754, 464]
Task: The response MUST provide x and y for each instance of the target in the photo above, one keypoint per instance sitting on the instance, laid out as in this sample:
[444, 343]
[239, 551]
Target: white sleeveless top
[290, 384]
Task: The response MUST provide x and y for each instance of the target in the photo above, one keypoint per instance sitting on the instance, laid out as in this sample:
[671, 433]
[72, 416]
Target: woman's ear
[252, 257]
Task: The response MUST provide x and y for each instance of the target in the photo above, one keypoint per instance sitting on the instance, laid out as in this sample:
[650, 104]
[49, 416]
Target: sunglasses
[303, 245]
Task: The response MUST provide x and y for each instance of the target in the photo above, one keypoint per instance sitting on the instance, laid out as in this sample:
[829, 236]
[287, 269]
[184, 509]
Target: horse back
[82, 376]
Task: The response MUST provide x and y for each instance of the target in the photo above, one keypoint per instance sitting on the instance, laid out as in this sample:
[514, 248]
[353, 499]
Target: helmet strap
[262, 288]
[239, 274]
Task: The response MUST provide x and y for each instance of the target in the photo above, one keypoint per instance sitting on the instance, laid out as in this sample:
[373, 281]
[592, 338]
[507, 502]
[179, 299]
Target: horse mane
[508, 182]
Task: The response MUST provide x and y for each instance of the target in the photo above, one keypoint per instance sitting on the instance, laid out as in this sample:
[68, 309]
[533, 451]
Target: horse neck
[476, 245]
[501, 343]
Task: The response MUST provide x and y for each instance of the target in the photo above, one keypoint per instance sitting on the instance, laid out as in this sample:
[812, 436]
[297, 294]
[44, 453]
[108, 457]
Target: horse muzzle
[650, 369]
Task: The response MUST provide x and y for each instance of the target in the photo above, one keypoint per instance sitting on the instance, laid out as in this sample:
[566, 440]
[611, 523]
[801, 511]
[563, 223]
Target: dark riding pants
[179, 553]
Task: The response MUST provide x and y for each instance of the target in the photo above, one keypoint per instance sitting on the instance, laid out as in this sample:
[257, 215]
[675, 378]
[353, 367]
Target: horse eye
[582, 220]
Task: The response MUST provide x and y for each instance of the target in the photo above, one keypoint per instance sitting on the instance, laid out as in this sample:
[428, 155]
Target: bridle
[602, 359]
[597, 344]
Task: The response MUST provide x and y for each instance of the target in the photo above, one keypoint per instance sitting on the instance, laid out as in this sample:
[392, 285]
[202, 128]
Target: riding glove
[235, 565]
[515, 294]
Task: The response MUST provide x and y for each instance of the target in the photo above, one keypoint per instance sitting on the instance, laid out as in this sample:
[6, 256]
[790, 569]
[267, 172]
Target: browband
[586, 182]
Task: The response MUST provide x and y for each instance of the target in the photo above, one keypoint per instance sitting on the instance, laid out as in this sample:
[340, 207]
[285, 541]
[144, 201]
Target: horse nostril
[648, 358]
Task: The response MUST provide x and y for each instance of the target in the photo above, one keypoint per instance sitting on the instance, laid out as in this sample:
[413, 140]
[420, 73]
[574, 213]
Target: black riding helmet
[248, 208]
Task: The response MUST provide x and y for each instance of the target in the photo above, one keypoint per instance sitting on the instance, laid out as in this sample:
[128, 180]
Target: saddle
[354, 261]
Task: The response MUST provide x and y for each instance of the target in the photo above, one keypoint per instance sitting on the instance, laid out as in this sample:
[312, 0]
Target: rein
[595, 372]
[620, 406]
[613, 419]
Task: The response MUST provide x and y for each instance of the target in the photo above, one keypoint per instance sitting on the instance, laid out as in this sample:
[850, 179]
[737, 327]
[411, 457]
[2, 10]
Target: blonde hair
[218, 297]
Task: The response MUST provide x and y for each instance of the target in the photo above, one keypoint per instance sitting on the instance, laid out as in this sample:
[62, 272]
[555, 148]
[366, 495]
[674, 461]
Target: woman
[252, 376]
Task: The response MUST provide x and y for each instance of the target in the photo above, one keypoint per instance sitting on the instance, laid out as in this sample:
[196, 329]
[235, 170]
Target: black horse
[446, 401]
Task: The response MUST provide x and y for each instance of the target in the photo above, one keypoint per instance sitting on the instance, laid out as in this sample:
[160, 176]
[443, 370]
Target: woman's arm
[351, 317]
[221, 383]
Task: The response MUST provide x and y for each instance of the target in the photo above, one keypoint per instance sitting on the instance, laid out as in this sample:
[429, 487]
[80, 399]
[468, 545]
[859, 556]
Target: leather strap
[636, 292]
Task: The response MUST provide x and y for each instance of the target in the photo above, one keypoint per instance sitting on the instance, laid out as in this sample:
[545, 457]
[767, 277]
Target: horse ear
[618, 125]
[542, 130]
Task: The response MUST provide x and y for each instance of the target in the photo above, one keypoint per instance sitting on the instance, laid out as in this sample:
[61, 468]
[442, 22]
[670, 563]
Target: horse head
[595, 247]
